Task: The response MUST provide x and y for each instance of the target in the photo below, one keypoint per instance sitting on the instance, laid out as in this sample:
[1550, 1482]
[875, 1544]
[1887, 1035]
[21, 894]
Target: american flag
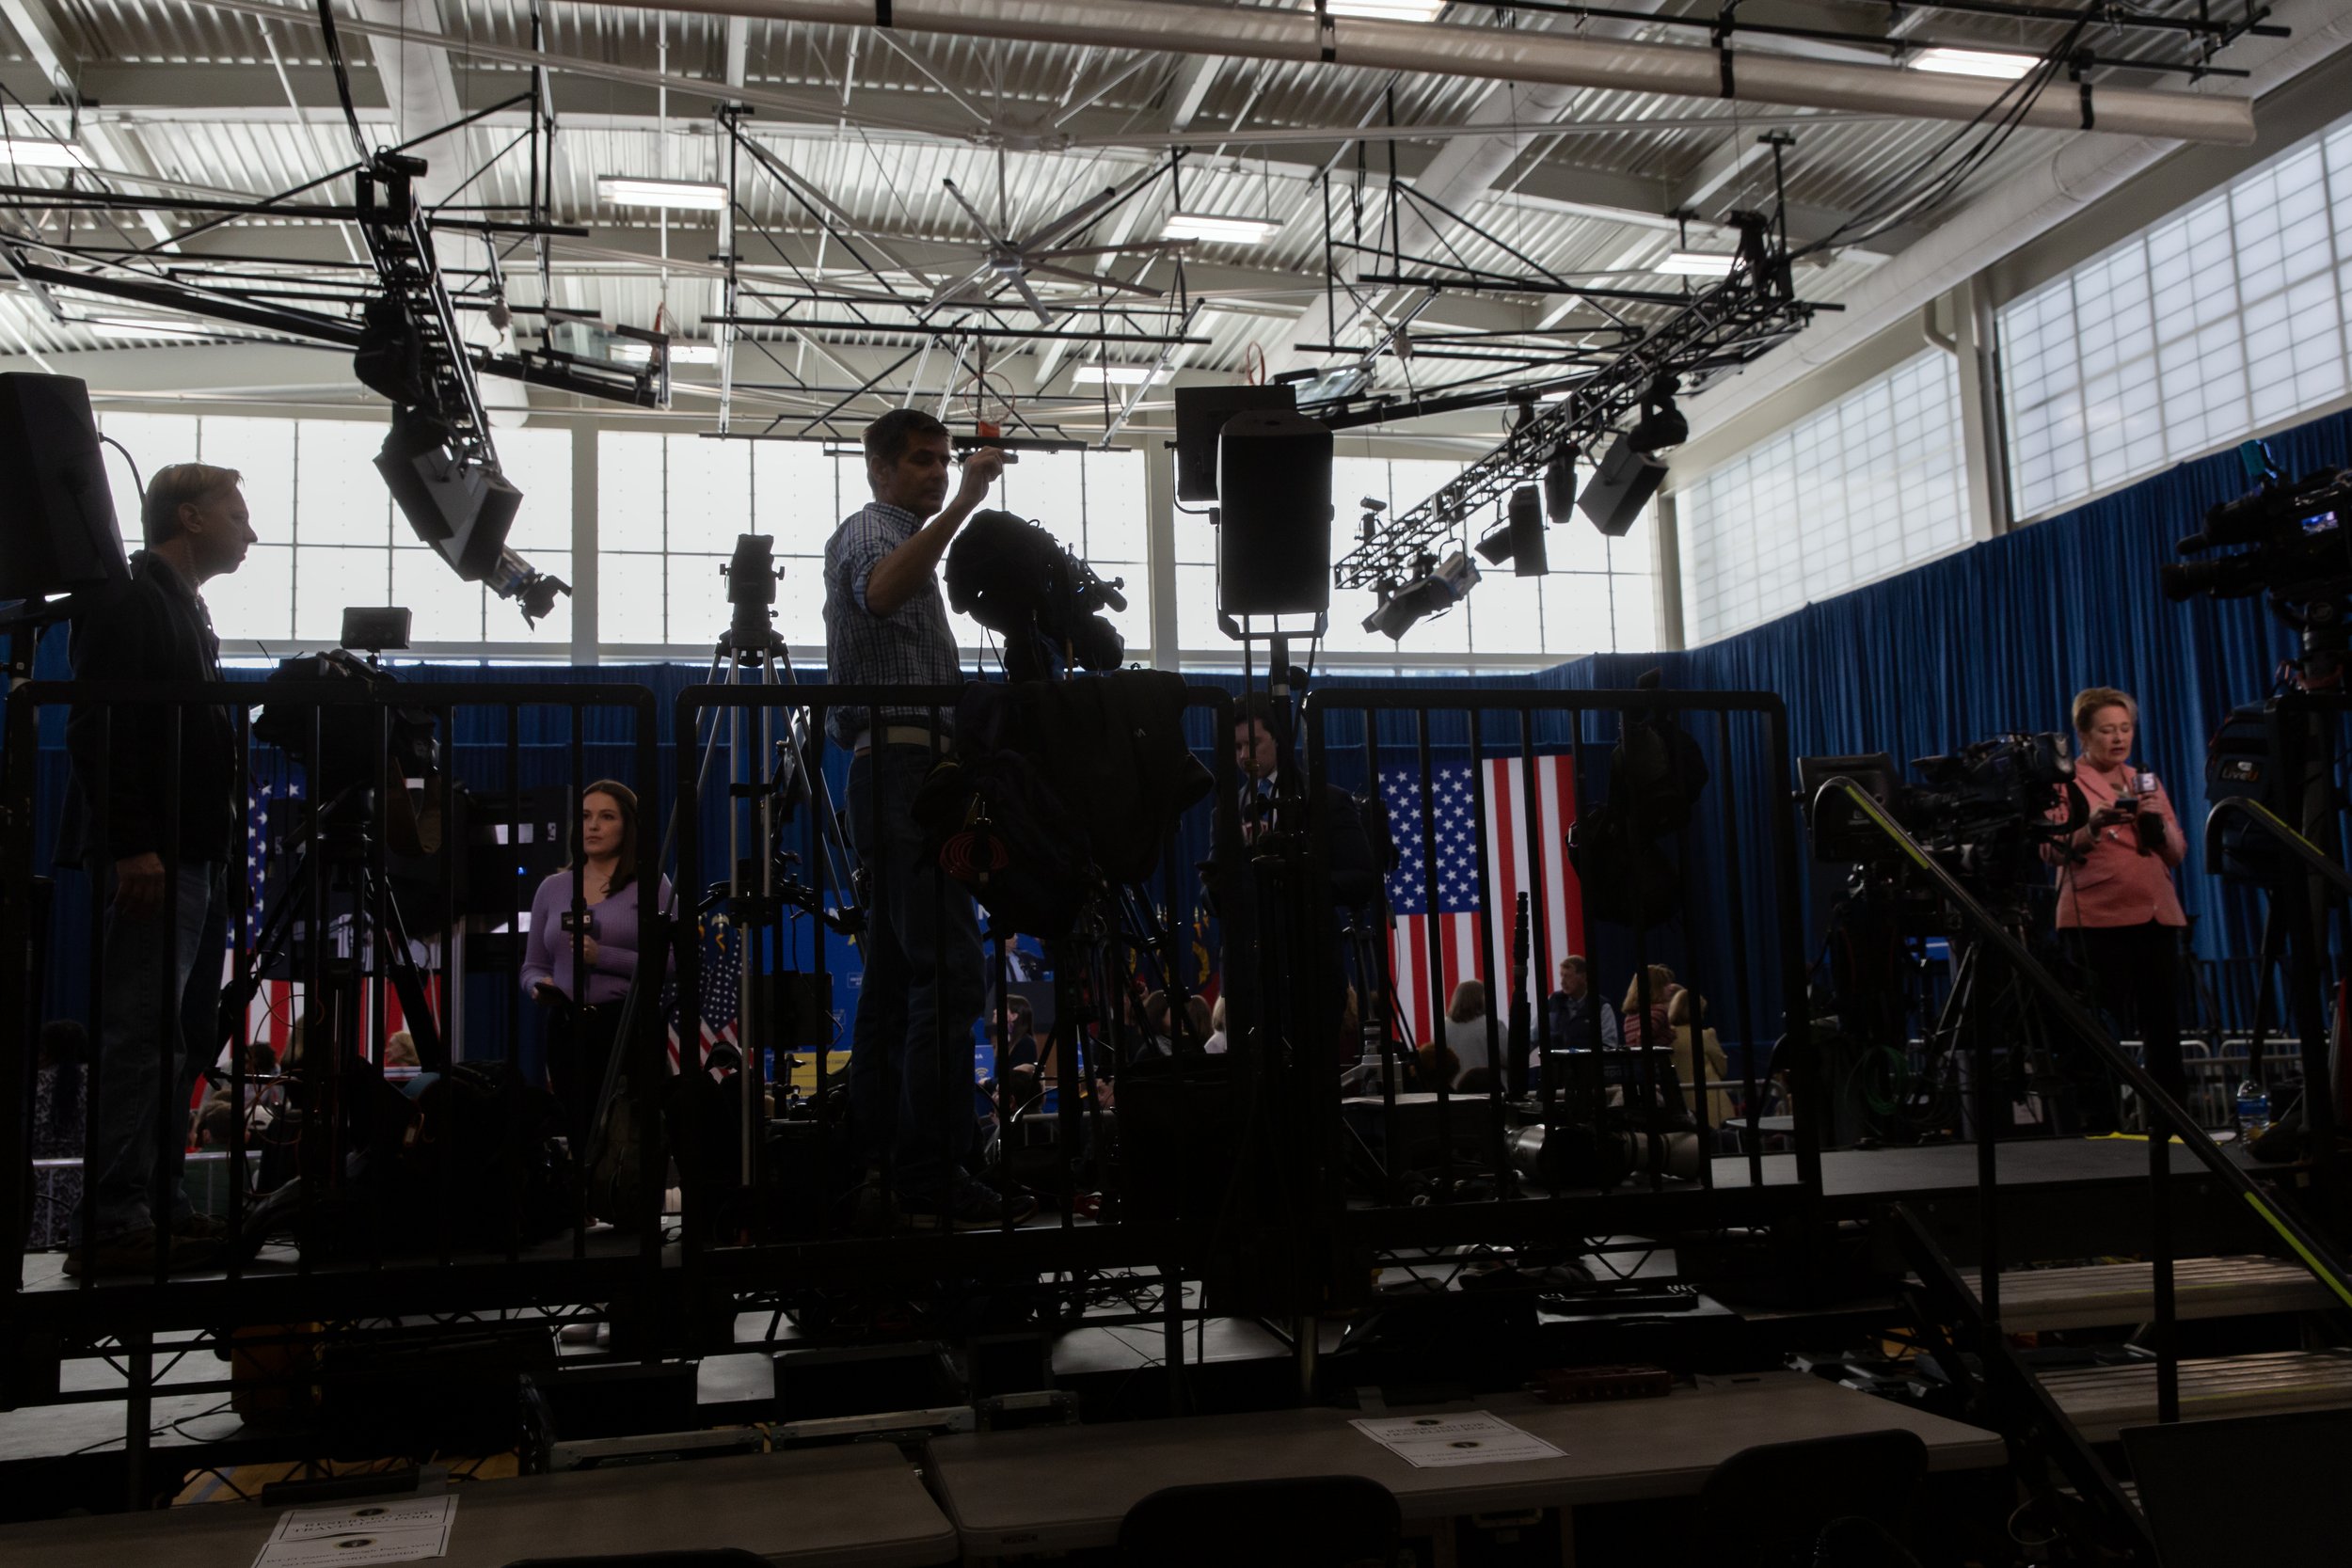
[278, 1002]
[1463, 890]
[721, 986]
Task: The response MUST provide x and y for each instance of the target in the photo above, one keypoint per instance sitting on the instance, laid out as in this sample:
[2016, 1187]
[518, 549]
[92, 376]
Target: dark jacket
[150, 628]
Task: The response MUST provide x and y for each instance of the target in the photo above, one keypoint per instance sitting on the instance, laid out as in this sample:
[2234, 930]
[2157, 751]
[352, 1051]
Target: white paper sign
[400, 1530]
[1436, 1442]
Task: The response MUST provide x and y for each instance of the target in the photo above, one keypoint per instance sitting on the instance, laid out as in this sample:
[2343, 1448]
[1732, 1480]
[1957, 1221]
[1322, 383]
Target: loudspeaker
[1274, 542]
[1201, 414]
[462, 509]
[57, 534]
[1624, 485]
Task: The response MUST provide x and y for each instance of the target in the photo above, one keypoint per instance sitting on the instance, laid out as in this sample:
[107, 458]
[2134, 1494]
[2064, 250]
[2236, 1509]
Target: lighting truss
[1718, 328]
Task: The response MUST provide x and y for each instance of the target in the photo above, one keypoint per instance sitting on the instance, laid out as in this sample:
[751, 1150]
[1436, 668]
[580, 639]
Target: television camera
[2286, 539]
[1022, 583]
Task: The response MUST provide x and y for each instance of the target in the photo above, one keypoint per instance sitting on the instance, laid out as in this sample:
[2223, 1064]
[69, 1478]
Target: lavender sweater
[548, 956]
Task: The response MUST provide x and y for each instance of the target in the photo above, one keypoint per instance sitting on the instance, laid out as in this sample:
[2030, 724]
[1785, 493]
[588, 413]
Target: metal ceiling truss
[1717, 328]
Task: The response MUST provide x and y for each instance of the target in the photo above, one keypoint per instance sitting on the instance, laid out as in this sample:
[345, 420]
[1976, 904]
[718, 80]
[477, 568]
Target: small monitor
[1841, 834]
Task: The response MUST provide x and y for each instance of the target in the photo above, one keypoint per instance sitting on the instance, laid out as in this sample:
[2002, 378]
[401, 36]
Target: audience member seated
[1569, 1011]
[1646, 998]
[1687, 1015]
[1216, 1044]
[1199, 1020]
[1465, 1032]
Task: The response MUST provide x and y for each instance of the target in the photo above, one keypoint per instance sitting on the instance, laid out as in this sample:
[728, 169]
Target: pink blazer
[2107, 881]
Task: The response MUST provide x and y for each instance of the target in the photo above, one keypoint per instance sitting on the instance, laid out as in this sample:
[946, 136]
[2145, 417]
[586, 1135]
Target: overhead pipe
[2028, 203]
[1747, 76]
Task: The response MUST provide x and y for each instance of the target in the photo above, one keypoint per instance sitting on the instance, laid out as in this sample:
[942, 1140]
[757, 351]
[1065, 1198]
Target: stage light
[1434, 589]
[1114, 375]
[1227, 230]
[1697, 263]
[1519, 538]
[1387, 10]
[1973, 62]
[628, 190]
[1661, 425]
[1560, 484]
[37, 152]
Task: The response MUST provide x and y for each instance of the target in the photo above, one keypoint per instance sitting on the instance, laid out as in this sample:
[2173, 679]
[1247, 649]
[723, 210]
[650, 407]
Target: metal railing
[2163, 1112]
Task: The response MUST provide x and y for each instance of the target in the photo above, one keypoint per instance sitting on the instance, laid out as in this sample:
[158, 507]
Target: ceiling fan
[1006, 262]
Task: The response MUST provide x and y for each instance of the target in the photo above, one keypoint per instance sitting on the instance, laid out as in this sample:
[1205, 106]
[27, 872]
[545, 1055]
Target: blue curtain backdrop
[2000, 637]
[1995, 637]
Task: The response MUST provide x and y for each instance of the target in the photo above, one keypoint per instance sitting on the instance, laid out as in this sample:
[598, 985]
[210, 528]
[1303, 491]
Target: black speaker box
[57, 534]
[1273, 541]
[1201, 414]
[1627, 481]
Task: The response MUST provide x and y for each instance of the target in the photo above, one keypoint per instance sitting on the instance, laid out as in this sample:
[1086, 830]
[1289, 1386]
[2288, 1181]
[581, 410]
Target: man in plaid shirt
[911, 1065]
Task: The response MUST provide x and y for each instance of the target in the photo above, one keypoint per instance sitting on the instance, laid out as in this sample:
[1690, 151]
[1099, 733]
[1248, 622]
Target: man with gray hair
[158, 828]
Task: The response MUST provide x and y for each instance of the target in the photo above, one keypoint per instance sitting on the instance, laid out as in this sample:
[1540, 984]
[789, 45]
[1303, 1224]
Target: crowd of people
[161, 849]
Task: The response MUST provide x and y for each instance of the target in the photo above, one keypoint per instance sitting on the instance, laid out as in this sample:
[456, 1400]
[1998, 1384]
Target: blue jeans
[140, 1039]
[911, 1054]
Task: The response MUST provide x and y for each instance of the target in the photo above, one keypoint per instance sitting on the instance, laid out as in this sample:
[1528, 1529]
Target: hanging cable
[343, 79]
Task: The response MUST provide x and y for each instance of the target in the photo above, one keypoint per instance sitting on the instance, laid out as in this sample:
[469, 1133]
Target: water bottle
[2253, 1106]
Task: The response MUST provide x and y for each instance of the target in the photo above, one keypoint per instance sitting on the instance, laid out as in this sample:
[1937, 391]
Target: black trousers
[579, 1048]
[2135, 972]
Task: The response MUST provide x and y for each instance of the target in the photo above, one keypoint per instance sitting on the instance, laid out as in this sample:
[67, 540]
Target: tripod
[1979, 1013]
[341, 864]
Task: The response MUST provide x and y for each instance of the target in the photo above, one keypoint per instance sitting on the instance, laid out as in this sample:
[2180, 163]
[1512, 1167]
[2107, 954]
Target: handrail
[2315, 1254]
[2275, 826]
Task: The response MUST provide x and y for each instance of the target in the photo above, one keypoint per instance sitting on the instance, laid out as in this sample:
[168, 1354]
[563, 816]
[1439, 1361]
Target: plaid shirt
[914, 646]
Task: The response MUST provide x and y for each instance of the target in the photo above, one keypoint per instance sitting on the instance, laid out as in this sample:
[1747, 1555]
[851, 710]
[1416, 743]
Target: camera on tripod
[1022, 583]
[2287, 539]
[1984, 811]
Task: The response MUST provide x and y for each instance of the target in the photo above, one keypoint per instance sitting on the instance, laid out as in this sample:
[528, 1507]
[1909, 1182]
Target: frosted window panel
[794, 495]
[538, 462]
[1633, 613]
[330, 578]
[256, 601]
[1049, 487]
[709, 495]
[1412, 481]
[154, 441]
[1196, 608]
[1117, 509]
[1578, 617]
[1349, 606]
[699, 611]
[264, 452]
[1353, 478]
[629, 491]
[630, 593]
[1506, 614]
[339, 499]
[800, 601]
[1195, 539]
[441, 608]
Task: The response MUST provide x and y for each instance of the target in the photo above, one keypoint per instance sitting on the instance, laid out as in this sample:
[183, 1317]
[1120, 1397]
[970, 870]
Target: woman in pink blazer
[2117, 904]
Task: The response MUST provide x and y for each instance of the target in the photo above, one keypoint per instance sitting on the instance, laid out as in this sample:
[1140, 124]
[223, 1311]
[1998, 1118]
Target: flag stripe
[1518, 831]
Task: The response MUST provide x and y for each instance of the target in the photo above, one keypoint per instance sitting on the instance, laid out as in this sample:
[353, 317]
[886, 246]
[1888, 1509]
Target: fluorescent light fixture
[1387, 10]
[1697, 263]
[135, 326]
[627, 190]
[684, 353]
[1229, 231]
[35, 152]
[1114, 375]
[1973, 62]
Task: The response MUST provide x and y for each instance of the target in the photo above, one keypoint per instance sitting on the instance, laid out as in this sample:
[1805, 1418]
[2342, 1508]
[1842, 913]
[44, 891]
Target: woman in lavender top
[580, 1028]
